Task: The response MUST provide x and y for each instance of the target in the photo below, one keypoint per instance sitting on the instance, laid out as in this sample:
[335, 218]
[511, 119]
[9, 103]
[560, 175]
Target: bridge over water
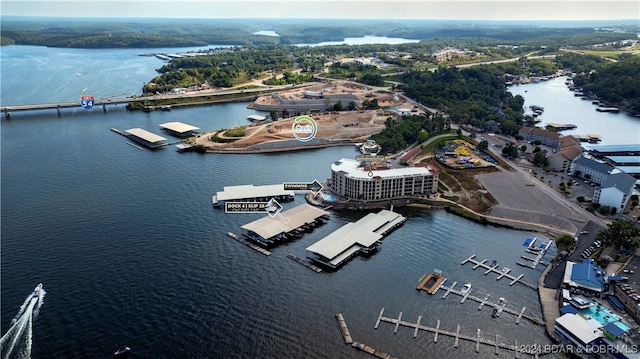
[58, 106]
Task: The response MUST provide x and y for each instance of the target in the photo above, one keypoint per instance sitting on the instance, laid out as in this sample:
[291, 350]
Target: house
[547, 138]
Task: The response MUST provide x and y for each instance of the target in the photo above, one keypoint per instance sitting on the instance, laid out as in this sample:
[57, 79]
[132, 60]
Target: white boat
[122, 351]
[465, 288]
[36, 290]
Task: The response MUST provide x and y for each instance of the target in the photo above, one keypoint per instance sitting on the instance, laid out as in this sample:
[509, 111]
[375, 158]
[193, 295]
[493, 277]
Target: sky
[333, 9]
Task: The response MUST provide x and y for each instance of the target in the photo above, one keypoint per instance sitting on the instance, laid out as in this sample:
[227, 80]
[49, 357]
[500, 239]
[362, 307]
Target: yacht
[465, 288]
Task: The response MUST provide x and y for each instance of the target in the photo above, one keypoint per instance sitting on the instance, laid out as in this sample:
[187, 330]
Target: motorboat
[36, 290]
[122, 351]
[494, 314]
[494, 263]
[465, 288]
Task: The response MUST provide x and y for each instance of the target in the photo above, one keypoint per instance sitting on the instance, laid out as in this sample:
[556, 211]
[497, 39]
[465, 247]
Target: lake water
[130, 250]
[561, 106]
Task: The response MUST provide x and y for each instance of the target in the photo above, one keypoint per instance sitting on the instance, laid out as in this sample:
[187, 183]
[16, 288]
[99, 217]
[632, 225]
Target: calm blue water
[130, 250]
[561, 106]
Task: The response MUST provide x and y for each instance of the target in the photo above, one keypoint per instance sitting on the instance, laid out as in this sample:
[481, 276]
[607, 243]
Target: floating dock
[539, 252]
[304, 263]
[477, 339]
[346, 335]
[179, 129]
[502, 306]
[287, 225]
[249, 244]
[146, 138]
[431, 282]
[353, 238]
[501, 273]
[253, 193]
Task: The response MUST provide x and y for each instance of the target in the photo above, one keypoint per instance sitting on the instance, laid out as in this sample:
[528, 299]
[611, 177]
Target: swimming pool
[604, 316]
[328, 197]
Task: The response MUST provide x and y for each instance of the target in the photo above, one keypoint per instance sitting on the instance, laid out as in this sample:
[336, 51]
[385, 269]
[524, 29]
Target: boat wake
[16, 343]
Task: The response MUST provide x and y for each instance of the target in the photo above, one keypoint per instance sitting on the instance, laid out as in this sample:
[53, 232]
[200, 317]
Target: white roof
[361, 234]
[145, 135]
[350, 167]
[268, 226]
[579, 327]
[251, 191]
[178, 127]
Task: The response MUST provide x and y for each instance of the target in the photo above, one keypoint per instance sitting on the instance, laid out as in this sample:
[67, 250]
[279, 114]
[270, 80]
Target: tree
[621, 233]
[459, 132]
[483, 145]
[510, 151]
[540, 159]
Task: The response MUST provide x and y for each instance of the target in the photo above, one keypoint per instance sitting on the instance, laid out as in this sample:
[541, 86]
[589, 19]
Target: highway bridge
[115, 101]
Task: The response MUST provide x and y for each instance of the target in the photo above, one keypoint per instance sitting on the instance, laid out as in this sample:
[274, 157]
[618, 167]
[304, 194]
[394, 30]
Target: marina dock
[252, 193]
[431, 282]
[477, 339]
[539, 252]
[346, 335]
[502, 307]
[249, 244]
[304, 263]
[504, 272]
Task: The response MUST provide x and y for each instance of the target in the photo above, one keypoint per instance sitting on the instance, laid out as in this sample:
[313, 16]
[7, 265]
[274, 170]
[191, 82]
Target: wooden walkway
[477, 339]
[538, 258]
[249, 244]
[305, 263]
[346, 335]
[501, 273]
[485, 301]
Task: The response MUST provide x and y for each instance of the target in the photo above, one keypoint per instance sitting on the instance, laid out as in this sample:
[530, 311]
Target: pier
[501, 273]
[249, 244]
[539, 252]
[304, 263]
[437, 331]
[346, 335]
[500, 305]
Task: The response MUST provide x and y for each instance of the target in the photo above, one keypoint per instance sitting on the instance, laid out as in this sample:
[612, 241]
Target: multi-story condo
[351, 179]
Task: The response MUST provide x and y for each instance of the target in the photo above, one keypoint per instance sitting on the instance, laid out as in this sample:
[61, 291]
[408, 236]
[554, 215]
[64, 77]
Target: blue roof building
[585, 275]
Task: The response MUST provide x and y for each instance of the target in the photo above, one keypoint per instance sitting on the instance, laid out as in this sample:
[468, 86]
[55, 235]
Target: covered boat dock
[269, 230]
[179, 129]
[362, 236]
[145, 138]
[253, 193]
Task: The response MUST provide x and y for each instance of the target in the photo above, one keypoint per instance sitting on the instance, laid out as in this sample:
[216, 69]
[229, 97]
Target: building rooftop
[268, 227]
[350, 238]
[585, 274]
[145, 135]
[352, 169]
[250, 191]
[178, 127]
[579, 327]
[593, 164]
[615, 148]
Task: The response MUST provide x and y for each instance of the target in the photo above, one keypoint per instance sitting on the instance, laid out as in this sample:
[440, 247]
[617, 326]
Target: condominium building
[351, 179]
